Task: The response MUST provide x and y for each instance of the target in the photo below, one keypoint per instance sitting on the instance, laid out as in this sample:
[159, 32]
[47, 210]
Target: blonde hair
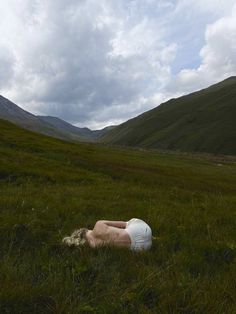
[77, 238]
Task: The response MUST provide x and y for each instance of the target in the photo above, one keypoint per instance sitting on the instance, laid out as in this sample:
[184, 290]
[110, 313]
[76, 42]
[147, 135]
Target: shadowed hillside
[49, 187]
[47, 125]
[204, 121]
[13, 113]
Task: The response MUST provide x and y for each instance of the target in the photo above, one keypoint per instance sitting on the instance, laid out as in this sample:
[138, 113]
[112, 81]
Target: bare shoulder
[100, 228]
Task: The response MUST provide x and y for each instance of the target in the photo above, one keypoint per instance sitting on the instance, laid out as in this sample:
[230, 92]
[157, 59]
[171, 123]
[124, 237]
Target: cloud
[82, 59]
[7, 63]
[205, 7]
[218, 57]
[95, 63]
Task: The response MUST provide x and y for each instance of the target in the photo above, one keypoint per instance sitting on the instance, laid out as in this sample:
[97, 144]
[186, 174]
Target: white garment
[140, 234]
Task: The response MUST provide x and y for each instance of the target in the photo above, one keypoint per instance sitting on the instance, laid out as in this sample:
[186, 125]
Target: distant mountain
[11, 112]
[47, 125]
[203, 121]
[73, 130]
[68, 128]
[100, 133]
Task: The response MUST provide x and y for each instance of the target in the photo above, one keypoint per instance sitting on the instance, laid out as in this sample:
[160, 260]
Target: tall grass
[49, 187]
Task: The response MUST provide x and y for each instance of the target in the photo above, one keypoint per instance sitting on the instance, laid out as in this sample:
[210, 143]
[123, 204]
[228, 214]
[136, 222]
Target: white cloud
[218, 57]
[7, 63]
[82, 59]
[215, 7]
[95, 63]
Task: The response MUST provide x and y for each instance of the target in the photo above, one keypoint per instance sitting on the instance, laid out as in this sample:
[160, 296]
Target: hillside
[13, 113]
[91, 135]
[47, 125]
[66, 127]
[49, 187]
[204, 121]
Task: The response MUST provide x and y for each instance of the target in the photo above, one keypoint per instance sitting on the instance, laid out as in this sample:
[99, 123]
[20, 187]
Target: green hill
[47, 125]
[204, 121]
[49, 187]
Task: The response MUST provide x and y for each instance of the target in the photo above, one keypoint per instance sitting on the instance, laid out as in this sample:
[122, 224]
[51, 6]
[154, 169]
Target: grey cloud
[7, 62]
[90, 62]
[69, 69]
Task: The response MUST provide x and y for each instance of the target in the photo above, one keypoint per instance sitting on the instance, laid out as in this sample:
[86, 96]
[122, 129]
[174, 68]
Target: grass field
[49, 187]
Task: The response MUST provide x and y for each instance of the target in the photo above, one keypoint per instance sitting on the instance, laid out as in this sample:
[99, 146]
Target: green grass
[49, 187]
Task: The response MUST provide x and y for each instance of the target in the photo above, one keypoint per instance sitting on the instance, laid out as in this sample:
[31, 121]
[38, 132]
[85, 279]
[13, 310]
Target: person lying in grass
[134, 234]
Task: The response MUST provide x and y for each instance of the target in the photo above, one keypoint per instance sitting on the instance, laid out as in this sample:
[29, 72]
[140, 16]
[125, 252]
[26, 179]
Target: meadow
[49, 187]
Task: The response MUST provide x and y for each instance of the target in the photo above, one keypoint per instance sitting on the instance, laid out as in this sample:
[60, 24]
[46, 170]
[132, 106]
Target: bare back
[109, 235]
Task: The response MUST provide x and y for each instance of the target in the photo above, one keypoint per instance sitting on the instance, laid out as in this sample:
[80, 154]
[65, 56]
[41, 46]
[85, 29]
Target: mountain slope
[11, 112]
[45, 124]
[73, 130]
[204, 121]
[67, 127]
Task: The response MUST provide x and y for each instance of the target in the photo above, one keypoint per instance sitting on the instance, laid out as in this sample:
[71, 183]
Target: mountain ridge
[188, 123]
[47, 125]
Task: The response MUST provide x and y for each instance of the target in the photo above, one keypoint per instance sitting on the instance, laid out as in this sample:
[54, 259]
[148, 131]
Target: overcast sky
[100, 62]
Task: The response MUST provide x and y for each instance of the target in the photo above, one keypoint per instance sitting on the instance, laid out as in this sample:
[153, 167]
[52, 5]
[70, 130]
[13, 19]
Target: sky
[98, 63]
